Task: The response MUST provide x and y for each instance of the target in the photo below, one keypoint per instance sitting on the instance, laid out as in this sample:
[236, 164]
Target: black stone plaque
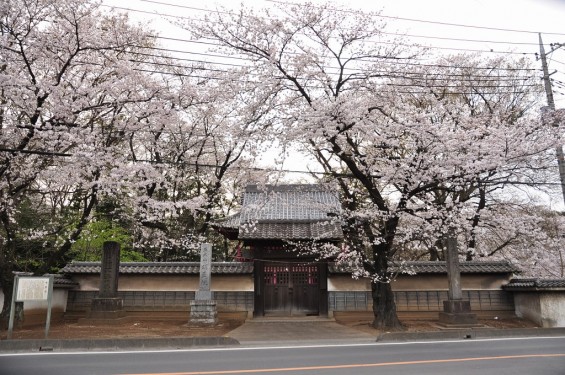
[110, 270]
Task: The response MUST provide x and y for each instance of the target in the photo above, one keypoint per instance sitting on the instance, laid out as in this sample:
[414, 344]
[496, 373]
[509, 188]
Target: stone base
[203, 312]
[457, 313]
[107, 304]
[459, 320]
[106, 308]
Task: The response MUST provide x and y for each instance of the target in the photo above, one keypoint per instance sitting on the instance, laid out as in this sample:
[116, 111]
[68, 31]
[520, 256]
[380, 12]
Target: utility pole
[551, 105]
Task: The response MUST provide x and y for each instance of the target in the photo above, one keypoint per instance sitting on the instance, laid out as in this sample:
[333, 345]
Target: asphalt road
[539, 356]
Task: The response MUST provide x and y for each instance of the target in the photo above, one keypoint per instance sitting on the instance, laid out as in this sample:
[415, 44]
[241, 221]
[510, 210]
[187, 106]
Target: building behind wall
[271, 222]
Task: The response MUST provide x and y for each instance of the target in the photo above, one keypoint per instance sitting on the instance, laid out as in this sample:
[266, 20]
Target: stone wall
[422, 301]
[234, 292]
[80, 300]
[344, 282]
[544, 308]
[169, 283]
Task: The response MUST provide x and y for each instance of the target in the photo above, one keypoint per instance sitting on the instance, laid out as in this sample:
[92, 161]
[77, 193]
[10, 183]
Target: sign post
[31, 288]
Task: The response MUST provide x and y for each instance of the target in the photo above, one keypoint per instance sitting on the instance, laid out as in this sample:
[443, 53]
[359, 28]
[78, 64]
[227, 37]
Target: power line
[384, 32]
[221, 56]
[240, 58]
[323, 87]
[190, 164]
[395, 60]
[177, 6]
[462, 39]
[426, 21]
[380, 42]
[257, 169]
[35, 152]
[391, 84]
[383, 74]
[363, 13]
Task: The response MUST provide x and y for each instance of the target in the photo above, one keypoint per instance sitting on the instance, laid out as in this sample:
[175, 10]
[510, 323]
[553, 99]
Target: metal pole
[13, 308]
[551, 104]
[49, 305]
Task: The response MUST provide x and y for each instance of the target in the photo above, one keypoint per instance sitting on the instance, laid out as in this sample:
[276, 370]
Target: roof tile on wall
[173, 268]
[420, 267]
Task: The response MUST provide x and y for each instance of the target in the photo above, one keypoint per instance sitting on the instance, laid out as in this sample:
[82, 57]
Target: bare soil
[130, 329]
[430, 325]
[179, 328]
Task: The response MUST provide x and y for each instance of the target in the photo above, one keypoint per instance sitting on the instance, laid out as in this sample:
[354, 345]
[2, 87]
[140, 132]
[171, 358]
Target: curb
[172, 343]
[470, 333]
[49, 345]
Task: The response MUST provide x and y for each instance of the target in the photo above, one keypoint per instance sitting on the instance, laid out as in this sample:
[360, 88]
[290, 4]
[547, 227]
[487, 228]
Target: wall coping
[535, 285]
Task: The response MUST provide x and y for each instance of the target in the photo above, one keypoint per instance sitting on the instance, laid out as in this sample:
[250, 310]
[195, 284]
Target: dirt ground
[178, 328]
[129, 329]
[428, 326]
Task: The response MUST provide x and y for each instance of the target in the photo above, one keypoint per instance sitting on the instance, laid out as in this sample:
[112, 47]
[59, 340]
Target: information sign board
[32, 289]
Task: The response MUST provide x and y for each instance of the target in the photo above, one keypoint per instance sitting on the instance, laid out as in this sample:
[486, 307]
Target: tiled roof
[535, 284]
[292, 231]
[289, 203]
[287, 212]
[190, 268]
[173, 268]
[420, 267]
[62, 282]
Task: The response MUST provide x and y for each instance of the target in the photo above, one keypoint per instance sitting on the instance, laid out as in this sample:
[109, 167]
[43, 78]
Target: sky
[448, 26]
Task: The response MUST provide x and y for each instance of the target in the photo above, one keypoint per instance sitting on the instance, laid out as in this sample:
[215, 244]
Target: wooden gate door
[291, 289]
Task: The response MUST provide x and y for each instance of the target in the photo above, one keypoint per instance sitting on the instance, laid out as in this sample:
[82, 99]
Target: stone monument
[108, 305]
[203, 309]
[456, 311]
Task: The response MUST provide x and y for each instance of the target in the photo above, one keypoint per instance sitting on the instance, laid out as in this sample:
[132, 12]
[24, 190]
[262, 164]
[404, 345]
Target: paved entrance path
[297, 331]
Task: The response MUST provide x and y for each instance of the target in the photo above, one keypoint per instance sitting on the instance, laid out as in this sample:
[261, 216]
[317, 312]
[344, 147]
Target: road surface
[540, 356]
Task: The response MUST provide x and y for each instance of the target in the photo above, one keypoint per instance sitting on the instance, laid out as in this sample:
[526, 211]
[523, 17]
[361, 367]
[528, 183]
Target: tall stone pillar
[456, 311]
[203, 309]
[108, 305]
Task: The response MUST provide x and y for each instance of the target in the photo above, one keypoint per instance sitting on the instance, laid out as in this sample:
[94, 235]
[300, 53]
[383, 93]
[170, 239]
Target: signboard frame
[32, 288]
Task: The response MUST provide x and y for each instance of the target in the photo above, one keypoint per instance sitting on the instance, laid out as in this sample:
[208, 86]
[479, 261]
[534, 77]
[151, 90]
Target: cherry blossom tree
[65, 94]
[216, 137]
[508, 91]
[91, 115]
[413, 146]
[79, 99]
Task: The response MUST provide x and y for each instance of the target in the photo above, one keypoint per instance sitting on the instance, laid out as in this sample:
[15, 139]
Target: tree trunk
[384, 307]
[7, 286]
[7, 267]
[5, 314]
[58, 256]
[436, 251]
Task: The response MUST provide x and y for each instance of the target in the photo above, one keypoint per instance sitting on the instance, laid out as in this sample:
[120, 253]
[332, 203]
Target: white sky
[525, 17]
[484, 21]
